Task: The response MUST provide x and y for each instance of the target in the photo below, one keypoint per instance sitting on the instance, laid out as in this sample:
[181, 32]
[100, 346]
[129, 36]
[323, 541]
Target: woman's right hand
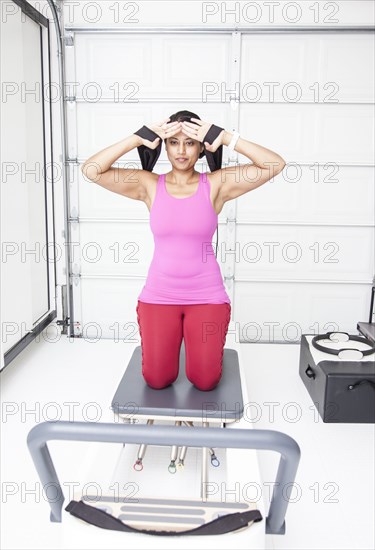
[163, 129]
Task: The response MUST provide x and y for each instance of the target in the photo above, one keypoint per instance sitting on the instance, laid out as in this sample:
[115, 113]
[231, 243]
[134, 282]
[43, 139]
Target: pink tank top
[184, 269]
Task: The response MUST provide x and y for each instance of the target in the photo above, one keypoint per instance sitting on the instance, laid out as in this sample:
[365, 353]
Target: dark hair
[180, 116]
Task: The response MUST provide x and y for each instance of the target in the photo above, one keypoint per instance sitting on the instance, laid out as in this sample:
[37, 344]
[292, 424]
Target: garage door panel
[312, 133]
[354, 76]
[304, 252]
[262, 67]
[323, 68]
[110, 310]
[346, 134]
[302, 194]
[270, 312]
[110, 62]
[140, 73]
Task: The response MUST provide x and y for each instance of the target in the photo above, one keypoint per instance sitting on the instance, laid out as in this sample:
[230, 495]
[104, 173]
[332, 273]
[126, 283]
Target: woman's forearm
[103, 160]
[261, 156]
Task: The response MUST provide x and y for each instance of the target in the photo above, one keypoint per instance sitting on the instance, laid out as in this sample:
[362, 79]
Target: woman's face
[183, 152]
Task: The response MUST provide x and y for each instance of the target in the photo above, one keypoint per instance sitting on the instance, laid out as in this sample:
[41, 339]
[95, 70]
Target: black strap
[219, 526]
[148, 156]
[214, 160]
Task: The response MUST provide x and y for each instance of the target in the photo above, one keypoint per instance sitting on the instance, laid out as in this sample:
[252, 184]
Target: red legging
[203, 328]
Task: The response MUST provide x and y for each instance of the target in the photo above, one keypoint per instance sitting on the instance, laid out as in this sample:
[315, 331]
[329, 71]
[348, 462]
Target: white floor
[333, 496]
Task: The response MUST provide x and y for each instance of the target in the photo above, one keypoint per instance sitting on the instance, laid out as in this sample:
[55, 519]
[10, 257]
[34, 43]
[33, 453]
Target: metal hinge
[63, 322]
[75, 278]
[69, 39]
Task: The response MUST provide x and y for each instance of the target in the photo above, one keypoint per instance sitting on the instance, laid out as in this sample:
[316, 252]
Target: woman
[184, 295]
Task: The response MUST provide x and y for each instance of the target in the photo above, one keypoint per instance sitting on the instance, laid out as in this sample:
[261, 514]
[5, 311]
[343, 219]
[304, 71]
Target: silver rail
[167, 435]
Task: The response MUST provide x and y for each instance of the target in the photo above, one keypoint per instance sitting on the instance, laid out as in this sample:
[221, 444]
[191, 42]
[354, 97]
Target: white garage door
[297, 254]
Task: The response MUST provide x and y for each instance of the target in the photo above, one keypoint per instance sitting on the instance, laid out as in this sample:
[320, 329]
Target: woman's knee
[206, 383]
[158, 386]
[204, 387]
[157, 382]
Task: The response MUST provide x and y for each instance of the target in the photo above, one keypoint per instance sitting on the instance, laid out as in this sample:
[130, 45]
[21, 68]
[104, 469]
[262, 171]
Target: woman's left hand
[199, 132]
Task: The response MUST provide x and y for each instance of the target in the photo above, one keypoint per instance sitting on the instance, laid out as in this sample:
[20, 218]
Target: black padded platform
[182, 398]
